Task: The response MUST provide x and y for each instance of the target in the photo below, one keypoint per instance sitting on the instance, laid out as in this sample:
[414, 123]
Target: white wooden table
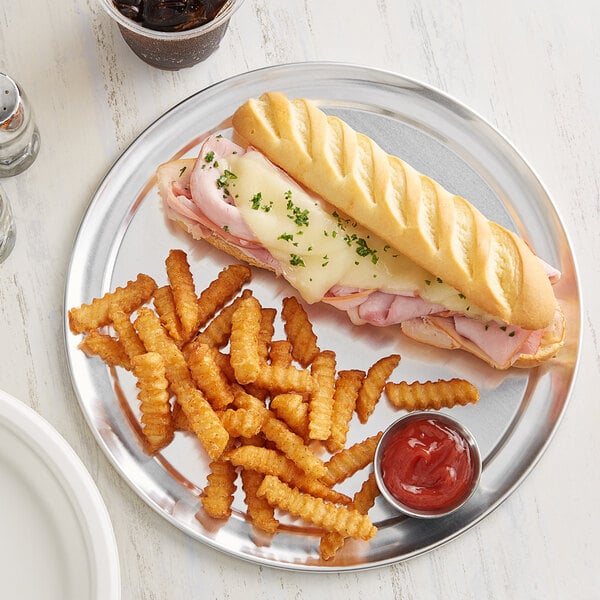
[530, 68]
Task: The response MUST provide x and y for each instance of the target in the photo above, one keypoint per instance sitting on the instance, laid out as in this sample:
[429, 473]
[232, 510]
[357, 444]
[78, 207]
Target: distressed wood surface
[530, 68]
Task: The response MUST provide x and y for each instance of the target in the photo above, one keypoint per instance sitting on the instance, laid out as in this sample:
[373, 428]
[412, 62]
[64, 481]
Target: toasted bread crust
[441, 232]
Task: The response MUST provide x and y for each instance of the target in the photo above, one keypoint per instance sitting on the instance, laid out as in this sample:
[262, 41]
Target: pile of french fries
[262, 408]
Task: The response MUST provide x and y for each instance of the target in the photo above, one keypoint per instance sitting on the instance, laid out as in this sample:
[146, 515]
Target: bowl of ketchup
[427, 464]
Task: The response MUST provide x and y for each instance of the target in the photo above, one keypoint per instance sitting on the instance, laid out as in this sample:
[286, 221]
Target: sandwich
[306, 196]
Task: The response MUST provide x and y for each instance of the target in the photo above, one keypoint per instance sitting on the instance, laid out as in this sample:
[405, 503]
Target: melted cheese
[319, 247]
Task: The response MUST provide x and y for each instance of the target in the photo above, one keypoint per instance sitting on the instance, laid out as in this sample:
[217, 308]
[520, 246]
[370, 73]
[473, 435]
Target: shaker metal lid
[11, 113]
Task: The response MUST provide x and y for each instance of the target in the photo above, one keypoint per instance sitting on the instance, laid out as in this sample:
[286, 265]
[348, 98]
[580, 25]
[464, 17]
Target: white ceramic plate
[124, 232]
[56, 538]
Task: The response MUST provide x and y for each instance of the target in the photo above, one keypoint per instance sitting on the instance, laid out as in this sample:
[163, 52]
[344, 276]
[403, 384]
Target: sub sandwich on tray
[345, 223]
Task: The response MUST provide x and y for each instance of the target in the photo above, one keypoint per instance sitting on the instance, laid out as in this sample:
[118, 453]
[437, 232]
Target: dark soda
[170, 15]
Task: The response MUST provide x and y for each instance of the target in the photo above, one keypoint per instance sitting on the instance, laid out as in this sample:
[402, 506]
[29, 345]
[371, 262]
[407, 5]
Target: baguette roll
[441, 232]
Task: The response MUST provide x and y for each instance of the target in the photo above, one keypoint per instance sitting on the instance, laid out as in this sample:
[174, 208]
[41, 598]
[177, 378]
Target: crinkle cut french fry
[217, 332]
[128, 298]
[184, 292]
[155, 339]
[203, 421]
[220, 291]
[245, 327]
[208, 375]
[164, 303]
[431, 394]
[110, 350]
[279, 379]
[271, 462]
[266, 331]
[260, 512]
[293, 447]
[180, 421]
[373, 385]
[125, 330]
[280, 353]
[349, 523]
[362, 502]
[299, 331]
[217, 496]
[293, 411]
[243, 399]
[243, 422]
[350, 460]
[344, 402]
[321, 399]
[224, 364]
[157, 423]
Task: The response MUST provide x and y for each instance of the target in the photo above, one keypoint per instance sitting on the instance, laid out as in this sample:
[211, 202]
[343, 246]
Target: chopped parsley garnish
[439, 280]
[221, 181]
[350, 238]
[462, 296]
[257, 203]
[428, 281]
[296, 261]
[225, 227]
[225, 178]
[286, 237]
[209, 157]
[511, 334]
[503, 327]
[299, 216]
[362, 248]
[256, 200]
[182, 171]
[288, 196]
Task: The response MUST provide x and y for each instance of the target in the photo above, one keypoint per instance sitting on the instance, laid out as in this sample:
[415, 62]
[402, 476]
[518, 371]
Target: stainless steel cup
[19, 136]
[8, 231]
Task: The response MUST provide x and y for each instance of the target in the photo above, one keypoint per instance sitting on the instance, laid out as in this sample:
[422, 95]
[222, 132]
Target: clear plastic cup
[7, 228]
[173, 50]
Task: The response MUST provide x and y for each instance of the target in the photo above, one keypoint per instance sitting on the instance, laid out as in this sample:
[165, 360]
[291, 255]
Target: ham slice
[206, 192]
[489, 340]
[501, 342]
[383, 309]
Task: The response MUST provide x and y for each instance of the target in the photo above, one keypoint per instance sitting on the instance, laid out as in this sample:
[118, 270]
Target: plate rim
[79, 487]
[396, 79]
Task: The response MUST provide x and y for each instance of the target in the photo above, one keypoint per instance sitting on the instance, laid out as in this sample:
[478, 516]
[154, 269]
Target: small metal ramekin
[450, 422]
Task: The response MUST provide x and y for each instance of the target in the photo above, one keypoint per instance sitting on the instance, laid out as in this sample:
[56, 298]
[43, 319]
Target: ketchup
[427, 465]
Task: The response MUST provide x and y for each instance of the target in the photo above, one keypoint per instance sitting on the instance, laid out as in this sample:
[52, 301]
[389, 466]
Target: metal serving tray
[125, 232]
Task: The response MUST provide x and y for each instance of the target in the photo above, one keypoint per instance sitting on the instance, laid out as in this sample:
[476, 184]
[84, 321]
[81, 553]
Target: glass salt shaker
[19, 136]
[7, 227]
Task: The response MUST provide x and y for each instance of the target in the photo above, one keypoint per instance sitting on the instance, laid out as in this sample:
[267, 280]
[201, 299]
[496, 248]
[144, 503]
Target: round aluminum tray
[124, 232]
